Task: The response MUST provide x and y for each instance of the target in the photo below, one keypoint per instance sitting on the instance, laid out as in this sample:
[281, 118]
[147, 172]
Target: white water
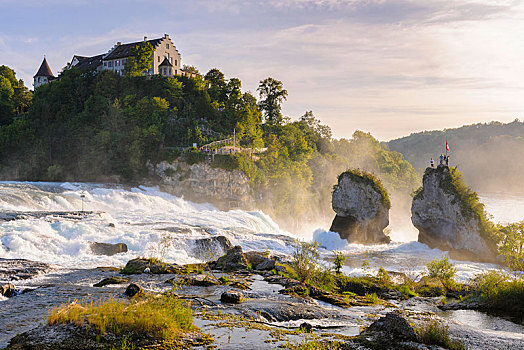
[142, 216]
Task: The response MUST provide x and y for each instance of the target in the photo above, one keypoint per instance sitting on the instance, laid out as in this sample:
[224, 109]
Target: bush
[306, 260]
[499, 291]
[511, 245]
[443, 270]
[338, 262]
[435, 333]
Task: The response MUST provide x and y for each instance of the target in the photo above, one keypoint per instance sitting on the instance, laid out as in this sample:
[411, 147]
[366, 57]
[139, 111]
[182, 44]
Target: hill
[487, 154]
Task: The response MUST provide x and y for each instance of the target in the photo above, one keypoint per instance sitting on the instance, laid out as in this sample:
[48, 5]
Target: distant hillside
[489, 155]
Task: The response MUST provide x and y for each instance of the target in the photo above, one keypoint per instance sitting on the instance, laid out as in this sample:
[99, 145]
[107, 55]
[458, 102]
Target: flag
[447, 146]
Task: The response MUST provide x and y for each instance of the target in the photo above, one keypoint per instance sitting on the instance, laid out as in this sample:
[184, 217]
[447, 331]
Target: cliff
[362, 207]
[202, 183]
[450, 217]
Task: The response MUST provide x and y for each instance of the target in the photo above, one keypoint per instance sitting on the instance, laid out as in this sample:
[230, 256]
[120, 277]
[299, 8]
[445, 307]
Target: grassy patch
[435, 333]
[498, 291]
[164, 319]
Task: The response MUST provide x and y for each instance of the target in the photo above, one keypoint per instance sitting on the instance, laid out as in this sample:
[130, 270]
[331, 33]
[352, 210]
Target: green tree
[6, 100]
[512, 245]
[272, 94]
[14, 96]
[140, 59]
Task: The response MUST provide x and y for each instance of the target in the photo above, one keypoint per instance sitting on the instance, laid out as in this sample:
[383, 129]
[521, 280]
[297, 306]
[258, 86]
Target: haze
[387, 67]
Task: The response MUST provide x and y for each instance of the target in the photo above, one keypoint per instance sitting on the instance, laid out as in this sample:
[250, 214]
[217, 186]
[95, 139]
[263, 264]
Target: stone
[266, 265]
[133, 289]
[141, 265]
[7, 290]
[394, 325]
[207, 248]
[233, 260]
[201, 280]
[445, 222]
[362, 210]
[232, 297]
[305, 327]
[111, 280]
[108, 248]
[259, 261]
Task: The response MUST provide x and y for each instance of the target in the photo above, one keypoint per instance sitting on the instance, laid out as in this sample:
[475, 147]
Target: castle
[166, 61]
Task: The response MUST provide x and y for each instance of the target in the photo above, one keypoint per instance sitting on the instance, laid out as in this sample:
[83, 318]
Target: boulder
[141, 265]
[108, 248]
[393, 325]
[362, 208]
[232, 297]
[201, 280]
[207, 248]
[111, 280]
[133, 289]
[446, 221]
[7, 290]
[233, 260]
[259, 261]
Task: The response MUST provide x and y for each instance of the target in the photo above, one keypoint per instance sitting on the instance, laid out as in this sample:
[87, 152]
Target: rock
[7, 290]
[133, 289]
[393, 324]
[445, 221]
[362, 209]
[111, 280]
[140, 265]
[108, 248]
[207, 248]
[305, 327]
[21, 269]
[201, 280]
[259, 261]
[232, 297]
[233, 260]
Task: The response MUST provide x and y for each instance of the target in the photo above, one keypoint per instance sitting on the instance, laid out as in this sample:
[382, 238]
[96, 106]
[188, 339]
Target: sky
[389, 67]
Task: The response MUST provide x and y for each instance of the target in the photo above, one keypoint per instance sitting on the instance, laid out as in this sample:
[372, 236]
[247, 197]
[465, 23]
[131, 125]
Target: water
[142, 216]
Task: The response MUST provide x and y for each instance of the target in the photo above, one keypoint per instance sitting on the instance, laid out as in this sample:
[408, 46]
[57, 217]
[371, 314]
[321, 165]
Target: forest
[102, 127]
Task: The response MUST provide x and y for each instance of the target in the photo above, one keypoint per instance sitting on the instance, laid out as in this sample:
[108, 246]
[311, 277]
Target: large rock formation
[203, 183]
[362, 207]
[449, 217]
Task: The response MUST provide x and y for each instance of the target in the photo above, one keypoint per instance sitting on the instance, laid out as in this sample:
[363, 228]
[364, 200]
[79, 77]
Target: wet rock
[393, 325]
[133, 289]
[305, 327]
[232, 297]
[207, 248]
[7, 290]
[362, 209]
[108, 248]
[140, 265]
[200, 280]
[259, 261]
[446, 221]
[111, 280]
[21, 269]
[233, 260]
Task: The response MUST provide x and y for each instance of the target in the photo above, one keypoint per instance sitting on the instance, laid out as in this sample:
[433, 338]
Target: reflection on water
[485, 321]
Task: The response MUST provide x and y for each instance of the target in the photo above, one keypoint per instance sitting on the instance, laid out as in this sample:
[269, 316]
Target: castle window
[117, 63]
[158, 58]
[105, 64]
[175, 62]
[110, 63]
[171, 59]
[167, 46]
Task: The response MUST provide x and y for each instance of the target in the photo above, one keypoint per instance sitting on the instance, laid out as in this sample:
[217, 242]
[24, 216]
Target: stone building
[166, 60]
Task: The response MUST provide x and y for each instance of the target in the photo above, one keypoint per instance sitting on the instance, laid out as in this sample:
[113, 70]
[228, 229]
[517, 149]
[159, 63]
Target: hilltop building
[166, 60]
[44, 74]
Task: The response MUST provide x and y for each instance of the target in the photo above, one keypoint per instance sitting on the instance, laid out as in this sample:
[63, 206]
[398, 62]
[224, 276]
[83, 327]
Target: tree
[272, 94]
[216, 85]
[140, 60]
[14, 96]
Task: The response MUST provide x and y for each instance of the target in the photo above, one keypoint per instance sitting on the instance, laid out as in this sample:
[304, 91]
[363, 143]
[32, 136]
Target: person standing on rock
[441, 159]
[447, 160]
[432, 163]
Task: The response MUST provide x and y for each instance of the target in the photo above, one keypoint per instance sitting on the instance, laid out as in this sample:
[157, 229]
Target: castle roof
[123, 50]
[88, 63]
[44, 70]
[166, 62]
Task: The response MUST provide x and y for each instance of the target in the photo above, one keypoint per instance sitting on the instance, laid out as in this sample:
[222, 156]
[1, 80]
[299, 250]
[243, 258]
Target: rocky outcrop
[108, 249]
[232, 297]
[203, 183]
[362, 208]
[234, 260]
[206, 248]
[111, 280]
[446, 220]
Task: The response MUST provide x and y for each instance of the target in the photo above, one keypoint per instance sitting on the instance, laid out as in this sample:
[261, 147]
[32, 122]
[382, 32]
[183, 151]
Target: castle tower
[44, 75]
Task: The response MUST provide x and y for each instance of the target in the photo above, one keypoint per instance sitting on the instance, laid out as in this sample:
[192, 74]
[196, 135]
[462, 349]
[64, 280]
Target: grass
[165, 318]
[435, 333]
[361, 176]
[372, 298]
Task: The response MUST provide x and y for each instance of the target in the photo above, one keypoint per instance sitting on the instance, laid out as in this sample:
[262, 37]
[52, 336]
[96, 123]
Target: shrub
[165, 318]
[406, 291]
[306, 260]
[443, 270]
[372, 298]
[499, 291]
[383, 277]
[511, 245]
[435, 333]
[338, 262]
